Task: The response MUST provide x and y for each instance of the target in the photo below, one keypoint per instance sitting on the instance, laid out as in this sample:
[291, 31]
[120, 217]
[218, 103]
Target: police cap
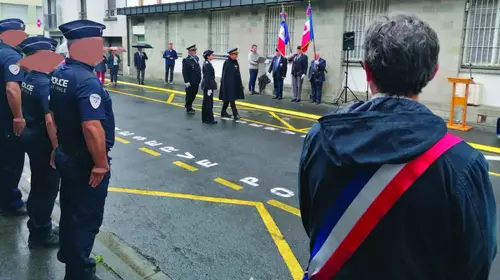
[11, 24]
[80, 29]
[207, 53]
[191, 48]
[37, 43]
[233, 51]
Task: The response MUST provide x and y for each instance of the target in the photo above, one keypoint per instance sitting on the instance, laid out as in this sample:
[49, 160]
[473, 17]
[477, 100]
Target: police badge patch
[95, 100]
[14, 69]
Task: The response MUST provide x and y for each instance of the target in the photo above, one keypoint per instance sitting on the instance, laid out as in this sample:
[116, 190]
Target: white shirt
[115, 60]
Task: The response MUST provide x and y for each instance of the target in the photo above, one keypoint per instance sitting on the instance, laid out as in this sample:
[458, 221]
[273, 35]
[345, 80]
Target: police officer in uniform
[11, 120]
[39, 140]
[85, 128]
[191, 71]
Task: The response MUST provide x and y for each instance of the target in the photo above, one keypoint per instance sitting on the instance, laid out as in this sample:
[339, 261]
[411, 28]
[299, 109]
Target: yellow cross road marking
[228, 184]
[485, 148]
[121, 140]
[170, 98]
[185, 166]
[149, 151]
[495, 174]
[284, 207]
[285, 123]
[278, 238]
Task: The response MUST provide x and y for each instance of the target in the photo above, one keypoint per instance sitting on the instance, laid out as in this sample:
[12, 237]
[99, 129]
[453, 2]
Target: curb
[123, 261]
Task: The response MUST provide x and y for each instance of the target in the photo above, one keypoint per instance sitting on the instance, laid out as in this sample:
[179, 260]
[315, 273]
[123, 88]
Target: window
[39, 13]
[174, 25]
[481, 45]
[15, 11]
[273, 25]
[219, 31]
[358, 16]
[140, 38]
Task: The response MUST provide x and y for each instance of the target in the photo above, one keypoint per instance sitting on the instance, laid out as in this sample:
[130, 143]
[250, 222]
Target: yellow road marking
[283, 247]
[250, 105]
[149, 151]
[121, 140]
[185, 166]
[305, 129]
[485, 148]
[284, 207]
[278, 238]
[170, 98]
[285, 123]
[228, 184]
[495, 174]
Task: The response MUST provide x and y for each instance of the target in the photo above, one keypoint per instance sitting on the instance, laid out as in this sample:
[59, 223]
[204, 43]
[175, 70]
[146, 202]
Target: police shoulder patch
[14, 69]
[95, 100]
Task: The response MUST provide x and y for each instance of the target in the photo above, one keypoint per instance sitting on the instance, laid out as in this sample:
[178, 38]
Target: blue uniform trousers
[316, 89]
[11, 169]
[44, 181]
[278, 87]
[82, 209]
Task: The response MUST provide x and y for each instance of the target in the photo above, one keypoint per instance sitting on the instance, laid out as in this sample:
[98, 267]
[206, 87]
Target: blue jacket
[443, 227]
[140, 62]
[111, 61]
[170, 56]
[317, 74]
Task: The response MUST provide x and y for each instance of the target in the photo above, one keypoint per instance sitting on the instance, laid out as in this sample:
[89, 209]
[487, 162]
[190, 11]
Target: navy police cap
[207, 53]
[191, 48]
[80, 29]
[37, 43]
[234, 50]
[11, 24]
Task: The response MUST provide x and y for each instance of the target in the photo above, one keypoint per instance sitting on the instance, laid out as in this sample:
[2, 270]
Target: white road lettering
[169, 149]
[139, 138]
[240, 121]
[186, 155]
[255, 125]
[126, 133]
[206, 163]
[287, 132]
[303, 136]
[116, 128]
[252, 181]
[270, 128]
[282, 192]
[153, 143]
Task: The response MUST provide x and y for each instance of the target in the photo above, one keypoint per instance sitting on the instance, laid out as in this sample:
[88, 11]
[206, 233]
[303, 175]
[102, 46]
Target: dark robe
[231, 86]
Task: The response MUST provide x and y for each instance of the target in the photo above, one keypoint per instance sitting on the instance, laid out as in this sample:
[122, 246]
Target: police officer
[191, 71]
[39, 140]
[85, 125]
[11, 118]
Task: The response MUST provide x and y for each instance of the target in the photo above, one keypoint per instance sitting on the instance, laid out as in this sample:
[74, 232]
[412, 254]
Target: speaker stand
[346, 88]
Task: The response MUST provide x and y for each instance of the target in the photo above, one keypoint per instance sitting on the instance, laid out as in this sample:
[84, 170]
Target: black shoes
[210, 122]
[275, 97]
[190, 111]
[236, 117]
[19, 212]
[225, 115]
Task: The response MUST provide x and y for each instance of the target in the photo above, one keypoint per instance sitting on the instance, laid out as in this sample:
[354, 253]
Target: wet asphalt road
[189, 237]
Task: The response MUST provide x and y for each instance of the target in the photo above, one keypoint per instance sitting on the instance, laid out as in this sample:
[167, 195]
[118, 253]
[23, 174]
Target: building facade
[30, 11]
[469, 32]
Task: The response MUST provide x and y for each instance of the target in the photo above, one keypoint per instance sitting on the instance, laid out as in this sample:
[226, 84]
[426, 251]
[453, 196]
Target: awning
[180, 7]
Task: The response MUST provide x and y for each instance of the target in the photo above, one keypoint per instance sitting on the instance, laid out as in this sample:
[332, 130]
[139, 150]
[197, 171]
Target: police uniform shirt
[10, 72]
[36, 95]
[76, 95]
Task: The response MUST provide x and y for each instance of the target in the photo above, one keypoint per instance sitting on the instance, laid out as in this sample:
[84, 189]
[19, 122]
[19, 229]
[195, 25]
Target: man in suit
[140, 65]
[317, 77]
[278, 69]
[191, 72]
[299, 71]
[170, 55]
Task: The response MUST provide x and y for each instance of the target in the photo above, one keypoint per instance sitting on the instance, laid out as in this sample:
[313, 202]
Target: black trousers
[233, 107]
[140, 76]
[44, 181]
[11, 169]
[191, 93]
[169, 72]
[114, 74]
[207, 113]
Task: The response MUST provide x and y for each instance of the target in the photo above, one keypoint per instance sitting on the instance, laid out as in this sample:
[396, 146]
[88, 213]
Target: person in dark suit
[317, 77]
[299, 70]
[208, 85]
[113, 66]
[231, 86]
[191, 71]
[278, 69]
[140, 65]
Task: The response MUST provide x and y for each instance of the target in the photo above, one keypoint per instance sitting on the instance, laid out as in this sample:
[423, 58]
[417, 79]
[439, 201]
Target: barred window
[174, 25]
[273, 24]
[481, 45]
[358, 16]
[219, 31]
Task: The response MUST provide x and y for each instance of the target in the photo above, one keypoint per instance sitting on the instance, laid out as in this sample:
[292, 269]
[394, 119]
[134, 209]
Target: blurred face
[139, 49]
[316, 56]
[210, 57]
[193, 52]
[278, 53]
[234, 56]
[13, 37]
[254, 48]
[87, 50]
[170, 46]
[299, 51]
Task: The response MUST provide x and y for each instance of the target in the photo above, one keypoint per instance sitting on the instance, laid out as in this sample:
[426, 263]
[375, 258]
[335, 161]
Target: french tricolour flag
[283, 36]
[308, 35]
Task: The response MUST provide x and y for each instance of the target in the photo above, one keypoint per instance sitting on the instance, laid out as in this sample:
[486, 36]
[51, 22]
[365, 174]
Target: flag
[283, 36]
[308, 34]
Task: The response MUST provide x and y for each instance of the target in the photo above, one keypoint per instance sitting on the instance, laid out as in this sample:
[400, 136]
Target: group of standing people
[33, 102]
[112, 62]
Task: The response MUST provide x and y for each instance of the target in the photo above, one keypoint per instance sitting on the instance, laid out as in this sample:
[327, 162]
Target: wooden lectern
[459, 101]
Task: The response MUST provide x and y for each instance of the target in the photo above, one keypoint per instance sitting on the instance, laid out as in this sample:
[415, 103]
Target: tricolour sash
[361, 205]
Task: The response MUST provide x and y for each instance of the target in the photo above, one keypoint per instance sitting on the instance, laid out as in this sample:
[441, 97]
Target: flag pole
[289, 43]
[314, 39]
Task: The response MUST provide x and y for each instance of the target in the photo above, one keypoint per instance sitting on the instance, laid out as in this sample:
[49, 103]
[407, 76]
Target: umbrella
[117, 49]
[142, 45]
[263, 82]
